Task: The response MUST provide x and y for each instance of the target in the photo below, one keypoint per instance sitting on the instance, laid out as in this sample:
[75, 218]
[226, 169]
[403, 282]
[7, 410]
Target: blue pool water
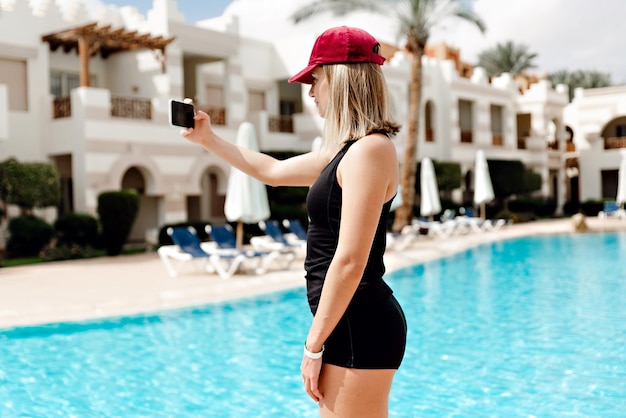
[532, 327]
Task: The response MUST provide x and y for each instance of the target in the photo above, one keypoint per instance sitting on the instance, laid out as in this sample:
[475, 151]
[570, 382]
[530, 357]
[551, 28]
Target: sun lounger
[296, 228]
[275, 239]
[226, 240]
[612, 210]
[188, 248]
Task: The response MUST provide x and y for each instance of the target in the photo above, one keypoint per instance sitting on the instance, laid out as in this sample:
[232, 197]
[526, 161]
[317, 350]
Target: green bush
[27, 236]
[117, 211]
[571, 207]
[591, 207]
[449, 204]
[286, 202]
[507, 215]
[448, 175]
[541, 207]
[76, 229]
[56, 252]
[29, 185]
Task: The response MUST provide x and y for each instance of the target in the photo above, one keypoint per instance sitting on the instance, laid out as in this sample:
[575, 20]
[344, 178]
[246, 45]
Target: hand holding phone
[181, 114]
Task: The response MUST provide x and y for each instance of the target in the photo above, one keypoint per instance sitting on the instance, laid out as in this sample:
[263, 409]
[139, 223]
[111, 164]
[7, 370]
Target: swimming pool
[532, 327]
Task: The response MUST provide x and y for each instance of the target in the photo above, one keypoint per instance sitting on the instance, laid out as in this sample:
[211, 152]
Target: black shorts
[370, 335]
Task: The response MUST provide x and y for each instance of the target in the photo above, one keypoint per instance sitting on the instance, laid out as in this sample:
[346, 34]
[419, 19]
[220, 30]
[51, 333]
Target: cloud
[566, 34]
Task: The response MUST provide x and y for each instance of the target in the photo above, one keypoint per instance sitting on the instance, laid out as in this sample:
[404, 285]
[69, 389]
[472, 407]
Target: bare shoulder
[375, 146]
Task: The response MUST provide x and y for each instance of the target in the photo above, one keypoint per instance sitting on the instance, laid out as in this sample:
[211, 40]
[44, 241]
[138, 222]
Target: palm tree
[506, 57]
[415, 21]
[580, 78]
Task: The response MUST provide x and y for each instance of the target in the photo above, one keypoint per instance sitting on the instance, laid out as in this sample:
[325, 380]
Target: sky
[566, 34]
[193, 10]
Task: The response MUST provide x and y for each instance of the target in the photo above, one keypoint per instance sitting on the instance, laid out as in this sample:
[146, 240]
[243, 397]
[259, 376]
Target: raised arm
[301, 170]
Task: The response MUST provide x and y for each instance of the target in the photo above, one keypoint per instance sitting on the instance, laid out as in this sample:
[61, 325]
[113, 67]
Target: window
[428, 118]
[287, 107]
[466, 115]
[496, 125]
[13, 74]
[61, 84]
[256, 101]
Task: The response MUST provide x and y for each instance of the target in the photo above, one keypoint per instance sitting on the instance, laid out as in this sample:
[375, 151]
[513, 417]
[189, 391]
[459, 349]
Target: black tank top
[324, 208]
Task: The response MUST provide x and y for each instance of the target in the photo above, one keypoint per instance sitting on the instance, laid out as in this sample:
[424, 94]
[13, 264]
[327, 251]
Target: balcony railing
[466, 137]
[124, 107]
[497, 140]
[283, 123]
[615, 142]
[61, 107]
[217, 114]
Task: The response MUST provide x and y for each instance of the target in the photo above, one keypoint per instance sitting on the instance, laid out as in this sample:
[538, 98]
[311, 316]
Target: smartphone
[181, 114]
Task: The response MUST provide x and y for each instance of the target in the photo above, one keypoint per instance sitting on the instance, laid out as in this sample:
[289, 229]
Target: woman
[357, 337]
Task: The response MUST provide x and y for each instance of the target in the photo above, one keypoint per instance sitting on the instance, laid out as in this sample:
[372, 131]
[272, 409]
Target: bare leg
[357, 393]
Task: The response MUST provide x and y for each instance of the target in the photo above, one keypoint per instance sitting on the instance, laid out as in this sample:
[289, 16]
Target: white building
[112, 132]
[597, 120]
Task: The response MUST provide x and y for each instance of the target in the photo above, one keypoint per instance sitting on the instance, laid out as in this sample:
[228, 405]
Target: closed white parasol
[246, 197]
[483, 188]
[430, 204]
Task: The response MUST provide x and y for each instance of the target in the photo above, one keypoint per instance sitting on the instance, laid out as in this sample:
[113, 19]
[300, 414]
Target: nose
[311, 94]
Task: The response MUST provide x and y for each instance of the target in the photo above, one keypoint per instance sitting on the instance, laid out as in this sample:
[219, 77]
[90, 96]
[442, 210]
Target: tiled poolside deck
[114, 286]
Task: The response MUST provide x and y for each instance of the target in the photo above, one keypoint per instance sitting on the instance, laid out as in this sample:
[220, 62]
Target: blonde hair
[358, 104]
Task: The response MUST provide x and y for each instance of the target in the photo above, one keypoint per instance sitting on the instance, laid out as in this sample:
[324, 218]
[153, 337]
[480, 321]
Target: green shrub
[29, 185]
[27, 236]
[507, 215]
[539, 206]
[117, 211]
[55, 252]
[571, 207]
[449, 176]
[288, 203]
[591, 207]
[76, 229]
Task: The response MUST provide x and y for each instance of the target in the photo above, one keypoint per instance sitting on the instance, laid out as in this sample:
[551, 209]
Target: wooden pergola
[91, 39]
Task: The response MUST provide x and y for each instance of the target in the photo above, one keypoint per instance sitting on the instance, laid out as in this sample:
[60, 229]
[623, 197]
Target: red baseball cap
[340, 45]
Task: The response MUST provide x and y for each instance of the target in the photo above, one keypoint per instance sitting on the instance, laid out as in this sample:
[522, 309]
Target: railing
[123, 107]
[496, 139]
[615, 142]
[283, 123]
[430, 135]
[62, 107]
[217, 114]
[466, 137]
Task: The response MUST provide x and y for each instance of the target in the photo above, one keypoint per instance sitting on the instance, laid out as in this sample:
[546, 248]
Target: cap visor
[304, 76]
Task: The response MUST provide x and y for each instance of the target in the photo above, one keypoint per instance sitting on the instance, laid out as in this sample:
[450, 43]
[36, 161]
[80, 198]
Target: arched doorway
[137, 178]
[572, 169]
[209, 205]
[614, 133]
[553, 135]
